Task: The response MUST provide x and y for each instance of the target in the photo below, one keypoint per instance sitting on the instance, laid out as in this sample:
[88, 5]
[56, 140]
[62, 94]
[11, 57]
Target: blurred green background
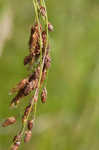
[70, 118]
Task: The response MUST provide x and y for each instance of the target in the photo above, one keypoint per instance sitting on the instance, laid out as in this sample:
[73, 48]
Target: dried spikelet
[27, 137]
[50, 27]
[17, 98]
[47, 62]
[28, 110]
[43, 76]
[42, 10]
[30, 124]
[20, 85]
[9, 121]
[44, 95]
[44, 39]
[28, 59]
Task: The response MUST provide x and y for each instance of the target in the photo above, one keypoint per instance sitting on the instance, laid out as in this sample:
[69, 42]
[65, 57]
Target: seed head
[39, 62]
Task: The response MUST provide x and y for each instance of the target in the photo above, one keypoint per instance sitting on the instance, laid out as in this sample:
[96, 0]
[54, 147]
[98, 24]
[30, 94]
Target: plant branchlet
[38, 58]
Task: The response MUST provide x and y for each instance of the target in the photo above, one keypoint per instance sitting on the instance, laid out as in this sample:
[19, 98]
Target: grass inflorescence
[38, 61]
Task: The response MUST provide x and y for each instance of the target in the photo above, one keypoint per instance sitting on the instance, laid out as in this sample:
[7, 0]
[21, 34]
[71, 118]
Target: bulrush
[9, 121]
[38, 60]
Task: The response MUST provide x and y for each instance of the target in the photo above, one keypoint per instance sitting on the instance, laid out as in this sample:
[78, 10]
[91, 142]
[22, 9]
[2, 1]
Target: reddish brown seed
[42, 11]
[44, 95]
[50, 27]
[9, 121]
[30, 124]
[27, 137]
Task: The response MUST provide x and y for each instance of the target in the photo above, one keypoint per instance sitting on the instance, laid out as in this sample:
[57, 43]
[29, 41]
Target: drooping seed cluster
[39, 61]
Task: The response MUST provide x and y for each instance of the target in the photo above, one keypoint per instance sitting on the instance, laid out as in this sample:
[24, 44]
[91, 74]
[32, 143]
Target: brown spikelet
[42, 10]
[47, 62]
[20, 85]
[44, 95]
[27, 109]
[9, 121]
[17, 98]
[30, 124]
[44, 73]
[44, 39]
[27, 137]
[50, 27]
[28, 59]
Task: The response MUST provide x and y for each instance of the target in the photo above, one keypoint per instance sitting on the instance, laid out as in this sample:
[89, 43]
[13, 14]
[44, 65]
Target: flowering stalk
[38, 58]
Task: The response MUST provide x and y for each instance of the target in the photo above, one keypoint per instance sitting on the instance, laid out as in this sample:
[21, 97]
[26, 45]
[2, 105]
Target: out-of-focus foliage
[70, 119]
